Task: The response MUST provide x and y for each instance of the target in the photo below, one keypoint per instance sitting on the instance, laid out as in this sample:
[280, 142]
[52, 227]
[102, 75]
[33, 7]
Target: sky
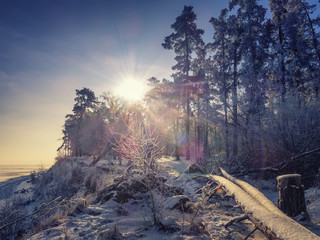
[50, 48]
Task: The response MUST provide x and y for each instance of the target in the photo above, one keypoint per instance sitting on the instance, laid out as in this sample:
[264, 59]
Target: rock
[133, 187]
[180, 202]
[173, 190]
[169, 224]
[107, 197]
[122, 197]
[193, 168]
[138, 186]
[105, 194]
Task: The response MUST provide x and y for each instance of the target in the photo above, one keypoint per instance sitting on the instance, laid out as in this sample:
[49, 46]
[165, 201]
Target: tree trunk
[102, 154]
[188, 128]
[226, 126]
[235, 104]
[225, 96]
[291, 195]
[188, 100]
[206, 125]
[176, 133]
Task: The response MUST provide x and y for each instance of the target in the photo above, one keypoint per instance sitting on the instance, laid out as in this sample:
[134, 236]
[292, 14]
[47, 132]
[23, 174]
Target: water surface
[13, 171]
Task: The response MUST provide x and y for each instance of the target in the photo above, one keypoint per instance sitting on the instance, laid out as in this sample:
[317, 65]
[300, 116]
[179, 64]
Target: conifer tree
[85, 101]
[220, 46]
[185, 40]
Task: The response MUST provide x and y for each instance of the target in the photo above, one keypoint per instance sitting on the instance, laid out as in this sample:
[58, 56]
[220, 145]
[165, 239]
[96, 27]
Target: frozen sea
[13, 171]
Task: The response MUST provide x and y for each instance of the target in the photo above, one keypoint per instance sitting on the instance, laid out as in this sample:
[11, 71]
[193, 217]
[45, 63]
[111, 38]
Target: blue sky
[49, 48]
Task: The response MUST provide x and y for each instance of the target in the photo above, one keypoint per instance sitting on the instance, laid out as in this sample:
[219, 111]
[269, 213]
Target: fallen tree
[281, 166]
[261, 211]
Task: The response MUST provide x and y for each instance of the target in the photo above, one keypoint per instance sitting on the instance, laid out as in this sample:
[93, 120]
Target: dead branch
[250, 233]
[279, 167]
[236, 220]
[301, 155]
[41, 208]
[102, 154]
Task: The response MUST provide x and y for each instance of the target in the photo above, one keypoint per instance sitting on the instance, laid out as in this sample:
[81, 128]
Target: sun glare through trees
[131, 89]
[156, 149]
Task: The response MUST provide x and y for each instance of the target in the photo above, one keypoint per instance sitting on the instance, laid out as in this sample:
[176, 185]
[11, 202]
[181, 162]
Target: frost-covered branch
[42, 207]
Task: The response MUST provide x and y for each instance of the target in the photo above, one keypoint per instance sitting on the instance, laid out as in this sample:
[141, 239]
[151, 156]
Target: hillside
[111, 200]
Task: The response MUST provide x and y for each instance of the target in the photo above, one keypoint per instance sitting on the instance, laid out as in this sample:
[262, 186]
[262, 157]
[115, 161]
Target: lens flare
[131, 89]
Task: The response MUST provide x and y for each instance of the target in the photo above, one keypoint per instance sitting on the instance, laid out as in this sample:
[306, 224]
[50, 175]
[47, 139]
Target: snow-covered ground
[110, 201]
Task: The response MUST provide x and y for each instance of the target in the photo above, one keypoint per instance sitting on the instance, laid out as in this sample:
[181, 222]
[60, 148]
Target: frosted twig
[42, 207]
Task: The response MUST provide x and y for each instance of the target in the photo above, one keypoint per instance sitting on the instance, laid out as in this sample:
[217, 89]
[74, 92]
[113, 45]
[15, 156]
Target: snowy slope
[109, 200]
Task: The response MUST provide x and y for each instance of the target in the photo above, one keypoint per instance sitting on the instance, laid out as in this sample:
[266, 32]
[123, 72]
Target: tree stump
[291, 195]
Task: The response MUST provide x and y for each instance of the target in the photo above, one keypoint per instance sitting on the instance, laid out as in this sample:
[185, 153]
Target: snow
[313, 204]
[283, 226]
[91, 219]
[288, 176]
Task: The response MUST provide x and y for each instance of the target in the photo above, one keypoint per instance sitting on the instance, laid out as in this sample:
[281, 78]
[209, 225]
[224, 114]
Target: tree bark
[235, 104]
[291, 195]
[188, 128]
[188, 99]
[176, 133]
[225, 106]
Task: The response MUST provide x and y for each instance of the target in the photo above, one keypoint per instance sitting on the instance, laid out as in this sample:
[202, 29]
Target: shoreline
[8, 172]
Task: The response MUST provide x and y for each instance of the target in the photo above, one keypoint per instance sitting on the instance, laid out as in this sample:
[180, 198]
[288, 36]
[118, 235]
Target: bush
[10, 212]
[141, 145]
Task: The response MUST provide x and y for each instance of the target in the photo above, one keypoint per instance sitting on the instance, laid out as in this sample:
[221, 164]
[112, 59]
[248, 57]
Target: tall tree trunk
[188, 100]
[226, 126]
[314, 37]
[235, 104]
[176, 133]
[198, 132]
[283, 69]
[206, 127]
[225, 96]
[188, 127]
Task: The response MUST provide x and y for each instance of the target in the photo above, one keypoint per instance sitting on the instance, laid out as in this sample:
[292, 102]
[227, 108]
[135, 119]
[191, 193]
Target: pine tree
[277, 63]
[220, 47]
[85, 101]
[185, 40]
[295, 48]
[252, 75]
[235, 34]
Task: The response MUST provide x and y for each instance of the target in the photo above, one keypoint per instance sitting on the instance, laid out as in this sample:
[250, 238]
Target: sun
[131, 89]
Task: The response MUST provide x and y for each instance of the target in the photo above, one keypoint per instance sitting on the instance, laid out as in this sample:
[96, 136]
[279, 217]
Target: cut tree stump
[261, 211]
[291, 195]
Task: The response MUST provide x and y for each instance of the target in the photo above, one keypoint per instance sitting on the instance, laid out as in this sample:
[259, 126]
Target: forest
[249, 99]
[240, 113]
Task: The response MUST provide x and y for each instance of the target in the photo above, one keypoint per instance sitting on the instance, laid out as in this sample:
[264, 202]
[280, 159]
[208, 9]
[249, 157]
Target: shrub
[10, 213]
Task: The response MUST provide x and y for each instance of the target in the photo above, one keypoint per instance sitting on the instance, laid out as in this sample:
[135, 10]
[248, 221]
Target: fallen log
[255, 193]
[273, 223]
[279, 167]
